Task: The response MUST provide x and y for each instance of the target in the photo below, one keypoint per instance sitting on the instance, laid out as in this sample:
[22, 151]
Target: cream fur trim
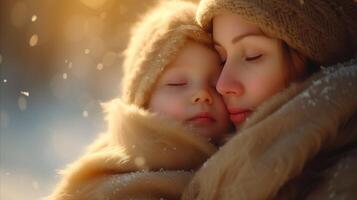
[136, 140]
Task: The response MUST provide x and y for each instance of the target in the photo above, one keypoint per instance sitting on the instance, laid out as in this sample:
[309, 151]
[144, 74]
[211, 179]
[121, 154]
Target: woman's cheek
[264, 87]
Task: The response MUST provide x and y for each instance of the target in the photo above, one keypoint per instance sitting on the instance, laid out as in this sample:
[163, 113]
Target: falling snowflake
[25, 93]
[305, 94]
[34, 18]
[139, 161]
[5, 81]
[86, 51]
[33, 40]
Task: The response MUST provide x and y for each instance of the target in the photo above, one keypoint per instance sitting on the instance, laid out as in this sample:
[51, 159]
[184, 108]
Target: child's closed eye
[253, 58]
[176, 84]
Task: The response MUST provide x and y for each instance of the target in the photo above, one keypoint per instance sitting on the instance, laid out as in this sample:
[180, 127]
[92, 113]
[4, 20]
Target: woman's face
[254, 65]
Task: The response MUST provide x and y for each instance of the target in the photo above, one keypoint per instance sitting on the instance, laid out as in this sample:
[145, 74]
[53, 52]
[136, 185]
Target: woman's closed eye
[223, 62]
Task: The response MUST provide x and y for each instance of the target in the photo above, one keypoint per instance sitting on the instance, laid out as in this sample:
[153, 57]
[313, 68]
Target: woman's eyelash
[252, 58]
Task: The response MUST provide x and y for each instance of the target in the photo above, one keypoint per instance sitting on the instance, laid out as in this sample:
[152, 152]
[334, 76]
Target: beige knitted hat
[323, 30]
[155, 42]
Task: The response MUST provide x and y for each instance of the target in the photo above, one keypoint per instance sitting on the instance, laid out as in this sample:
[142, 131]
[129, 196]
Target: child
[169, 111]
[297, 137]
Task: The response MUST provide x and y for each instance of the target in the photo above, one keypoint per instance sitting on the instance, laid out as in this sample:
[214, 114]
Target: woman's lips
[238, 115]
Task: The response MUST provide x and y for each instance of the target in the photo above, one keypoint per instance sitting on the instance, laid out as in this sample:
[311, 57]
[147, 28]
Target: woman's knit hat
[155, 43]
[323, 30]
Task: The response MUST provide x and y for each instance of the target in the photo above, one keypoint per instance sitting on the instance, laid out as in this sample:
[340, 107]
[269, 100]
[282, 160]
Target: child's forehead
[193, 52]
[190, 68]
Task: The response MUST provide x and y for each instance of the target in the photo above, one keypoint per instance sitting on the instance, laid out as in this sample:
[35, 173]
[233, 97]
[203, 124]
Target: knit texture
[323, 30]
[155, 43]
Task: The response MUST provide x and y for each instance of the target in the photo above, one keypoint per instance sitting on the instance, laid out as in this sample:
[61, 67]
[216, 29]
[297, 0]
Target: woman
[302, 141]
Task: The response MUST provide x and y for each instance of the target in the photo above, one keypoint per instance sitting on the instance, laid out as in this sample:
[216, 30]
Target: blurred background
[58, 60]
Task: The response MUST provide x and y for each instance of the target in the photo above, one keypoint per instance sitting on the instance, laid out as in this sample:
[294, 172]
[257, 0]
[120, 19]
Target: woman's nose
[202, 96]
[229, 83]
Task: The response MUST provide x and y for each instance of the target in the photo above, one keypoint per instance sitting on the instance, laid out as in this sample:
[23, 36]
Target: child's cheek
[169, 104]
[175, 109]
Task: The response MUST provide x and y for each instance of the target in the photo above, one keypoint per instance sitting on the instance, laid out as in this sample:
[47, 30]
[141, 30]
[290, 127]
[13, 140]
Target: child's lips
[202, 118]
[238, 115]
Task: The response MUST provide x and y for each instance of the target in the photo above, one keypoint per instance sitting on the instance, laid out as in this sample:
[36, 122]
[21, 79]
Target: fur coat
[300, 144]
[142, 156]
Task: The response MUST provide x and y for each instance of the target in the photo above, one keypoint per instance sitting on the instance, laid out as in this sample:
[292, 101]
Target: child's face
[255, 65]
[186, 92]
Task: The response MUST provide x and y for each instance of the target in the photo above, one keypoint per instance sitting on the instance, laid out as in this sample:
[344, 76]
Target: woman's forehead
[233, 27]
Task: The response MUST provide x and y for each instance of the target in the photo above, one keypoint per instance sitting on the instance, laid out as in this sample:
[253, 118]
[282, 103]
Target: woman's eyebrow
[240, 37]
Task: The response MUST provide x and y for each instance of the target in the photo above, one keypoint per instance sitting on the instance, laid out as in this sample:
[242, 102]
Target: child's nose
[202, 96]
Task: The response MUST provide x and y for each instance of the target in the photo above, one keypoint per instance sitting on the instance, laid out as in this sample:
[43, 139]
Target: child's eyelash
[176, 84]
[252, 58]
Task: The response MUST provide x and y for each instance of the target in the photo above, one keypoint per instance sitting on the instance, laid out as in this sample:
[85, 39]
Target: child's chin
[207, 133]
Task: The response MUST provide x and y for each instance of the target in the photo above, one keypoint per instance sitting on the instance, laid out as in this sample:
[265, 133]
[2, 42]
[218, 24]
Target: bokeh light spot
[86, 51]
[64, 76]
[35, 185]
[100, 66]
[85, 113]
[70, 65]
